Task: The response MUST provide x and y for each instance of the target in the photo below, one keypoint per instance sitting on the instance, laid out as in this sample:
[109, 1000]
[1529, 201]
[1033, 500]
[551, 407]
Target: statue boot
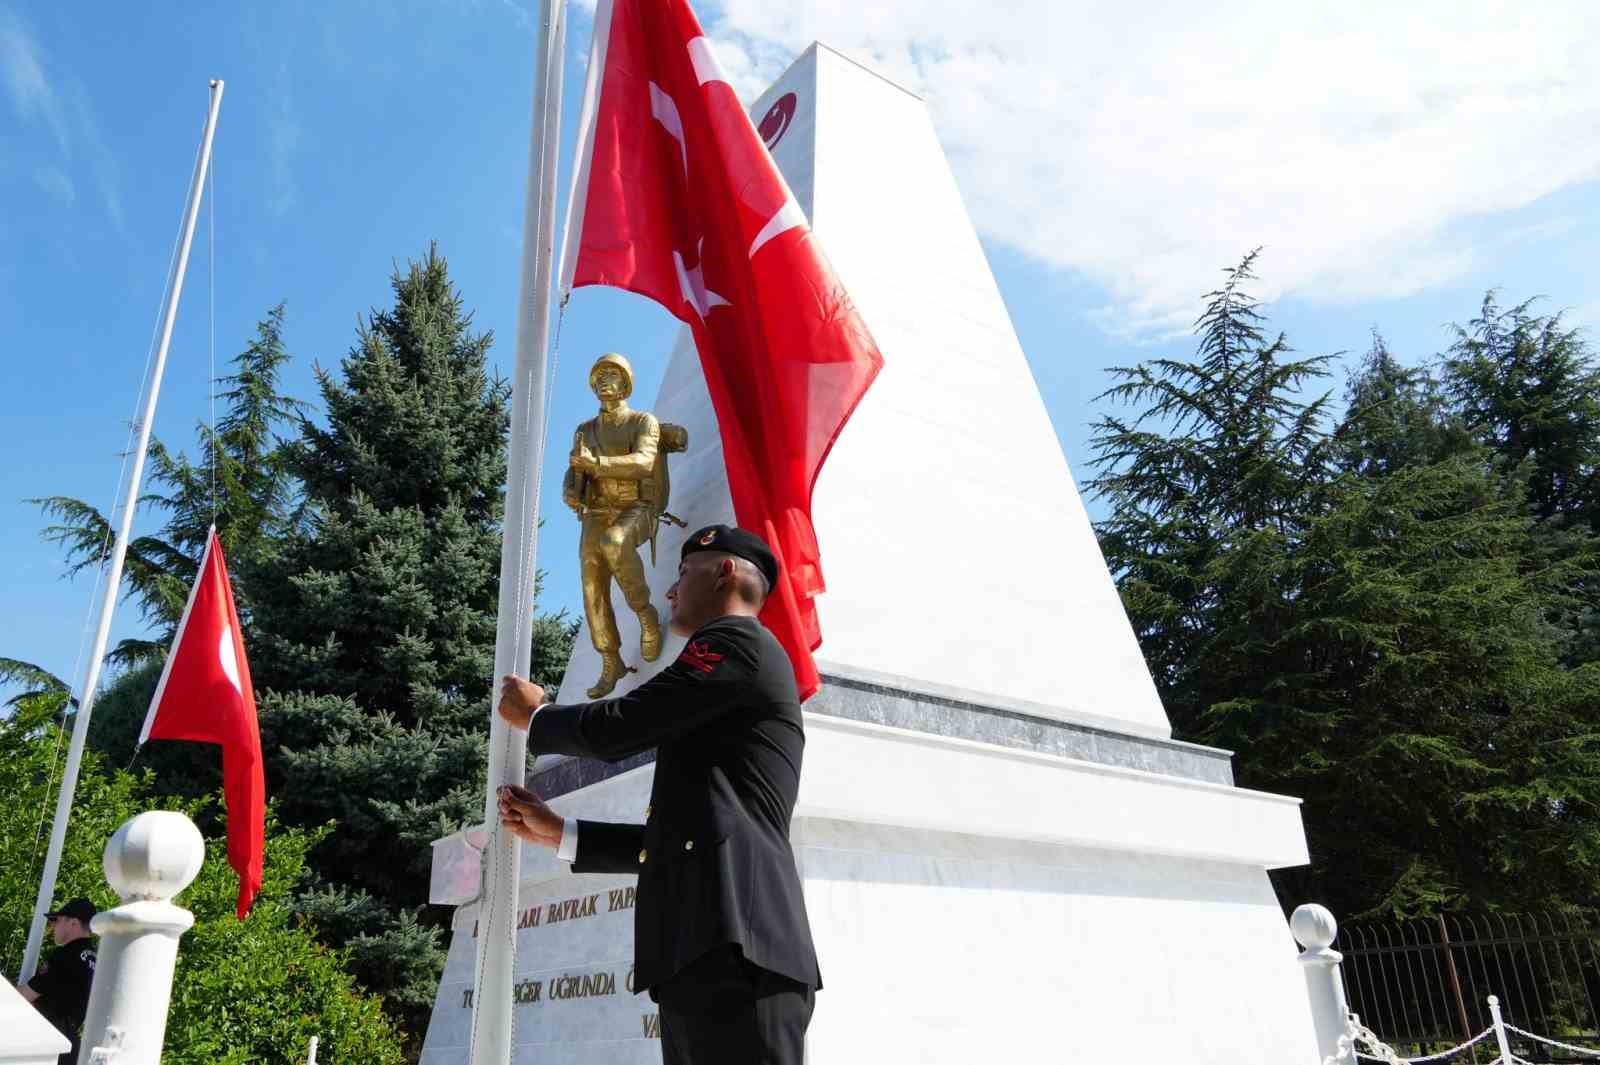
[649, 633]
[612, 669]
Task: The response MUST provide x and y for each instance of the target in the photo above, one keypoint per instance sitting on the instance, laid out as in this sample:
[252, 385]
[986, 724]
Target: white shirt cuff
[568, 850]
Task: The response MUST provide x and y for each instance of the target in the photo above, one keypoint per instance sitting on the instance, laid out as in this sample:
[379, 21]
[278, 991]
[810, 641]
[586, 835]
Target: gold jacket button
[647, 811]
[643, 855]
[688, 845]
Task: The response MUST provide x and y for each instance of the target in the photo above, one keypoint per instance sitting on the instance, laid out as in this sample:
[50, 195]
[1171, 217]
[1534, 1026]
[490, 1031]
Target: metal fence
[1422, 984]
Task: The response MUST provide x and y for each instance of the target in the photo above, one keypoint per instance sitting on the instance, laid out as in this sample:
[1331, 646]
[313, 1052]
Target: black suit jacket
[713, 857]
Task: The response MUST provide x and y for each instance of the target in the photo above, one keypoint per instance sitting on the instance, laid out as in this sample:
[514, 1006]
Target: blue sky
[1391, 179]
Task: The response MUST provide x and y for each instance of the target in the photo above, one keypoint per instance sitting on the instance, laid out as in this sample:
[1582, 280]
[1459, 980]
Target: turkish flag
[205, 696]
[677, 199]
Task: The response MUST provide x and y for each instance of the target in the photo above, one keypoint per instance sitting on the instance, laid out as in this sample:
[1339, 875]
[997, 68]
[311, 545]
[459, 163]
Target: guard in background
[60, 989]
[721, 938]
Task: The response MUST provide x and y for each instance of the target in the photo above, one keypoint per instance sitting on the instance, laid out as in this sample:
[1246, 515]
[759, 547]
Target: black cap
[82, 909]
[740, 543]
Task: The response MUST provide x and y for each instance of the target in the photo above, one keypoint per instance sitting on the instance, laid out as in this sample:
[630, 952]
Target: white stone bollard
[1313, 925]
[1499, 1023]
[148, 861]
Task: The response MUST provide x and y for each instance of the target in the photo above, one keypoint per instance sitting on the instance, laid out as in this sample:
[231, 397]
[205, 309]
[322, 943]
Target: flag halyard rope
[211, 381]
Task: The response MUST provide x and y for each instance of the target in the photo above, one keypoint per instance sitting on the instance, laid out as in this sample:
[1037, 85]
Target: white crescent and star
[704, 61]
[692, 283]
[228, 658]
[664, 109]
[789, 216]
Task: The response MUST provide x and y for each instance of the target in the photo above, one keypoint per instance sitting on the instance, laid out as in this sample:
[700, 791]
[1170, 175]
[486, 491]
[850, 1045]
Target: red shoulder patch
[699, 656]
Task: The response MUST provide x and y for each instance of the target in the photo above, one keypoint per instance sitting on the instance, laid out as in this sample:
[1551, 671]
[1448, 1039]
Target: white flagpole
[491, 1042]
[578, 195]
[119, 553]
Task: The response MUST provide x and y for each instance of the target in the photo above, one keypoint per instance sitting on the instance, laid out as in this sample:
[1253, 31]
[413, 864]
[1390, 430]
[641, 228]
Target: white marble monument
[26, 1038]
[1006, 856]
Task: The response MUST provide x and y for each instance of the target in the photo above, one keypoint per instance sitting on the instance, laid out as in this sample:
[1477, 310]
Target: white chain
[1554, 1042]
[1357, 1033]
[1474, 1041]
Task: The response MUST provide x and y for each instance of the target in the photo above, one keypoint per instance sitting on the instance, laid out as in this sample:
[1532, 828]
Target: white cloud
[22, 67]
[1143, 147]
[103, 167]
[62, 103]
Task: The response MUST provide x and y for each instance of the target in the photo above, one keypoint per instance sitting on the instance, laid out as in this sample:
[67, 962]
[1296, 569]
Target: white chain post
[1500, 1031]
[311, 1052]
[1315, 929]
[148, 861]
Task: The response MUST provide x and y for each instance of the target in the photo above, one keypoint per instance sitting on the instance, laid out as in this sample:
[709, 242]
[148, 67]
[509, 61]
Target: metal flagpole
[491, 1042]
[583, 154]
[119, 552]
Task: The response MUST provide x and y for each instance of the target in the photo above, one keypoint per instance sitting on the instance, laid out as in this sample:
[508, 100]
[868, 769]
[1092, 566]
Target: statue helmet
[620, 362]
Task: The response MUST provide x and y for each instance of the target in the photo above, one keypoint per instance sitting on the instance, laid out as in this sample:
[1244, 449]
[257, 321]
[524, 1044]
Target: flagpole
[119, 553]
[491, 1040]
[583, 152]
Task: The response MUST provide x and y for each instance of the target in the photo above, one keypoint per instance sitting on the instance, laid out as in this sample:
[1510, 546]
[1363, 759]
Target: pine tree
[1529, 388]
[1447, 576]
[1208, 486]
[1395, 416]
[1367, 617]
[375, 624]
[1444, 754]
[242, 465]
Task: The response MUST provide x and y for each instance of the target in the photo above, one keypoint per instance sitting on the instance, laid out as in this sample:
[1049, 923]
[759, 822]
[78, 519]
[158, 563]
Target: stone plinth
[983, 885]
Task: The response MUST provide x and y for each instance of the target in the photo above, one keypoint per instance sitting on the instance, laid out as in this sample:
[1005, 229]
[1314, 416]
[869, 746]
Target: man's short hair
[753, 584]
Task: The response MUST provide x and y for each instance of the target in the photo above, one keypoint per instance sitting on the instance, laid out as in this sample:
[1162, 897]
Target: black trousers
[722, 1010]
[71, 1031]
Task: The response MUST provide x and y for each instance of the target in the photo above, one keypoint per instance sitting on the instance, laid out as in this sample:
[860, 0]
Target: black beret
[740, 543]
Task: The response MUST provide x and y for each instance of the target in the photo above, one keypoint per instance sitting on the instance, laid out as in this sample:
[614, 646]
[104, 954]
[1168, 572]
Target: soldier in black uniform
[721, 939]
[60, 989]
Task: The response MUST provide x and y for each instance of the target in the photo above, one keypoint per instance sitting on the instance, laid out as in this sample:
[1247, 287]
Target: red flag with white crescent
[678, 199]
[205, 696]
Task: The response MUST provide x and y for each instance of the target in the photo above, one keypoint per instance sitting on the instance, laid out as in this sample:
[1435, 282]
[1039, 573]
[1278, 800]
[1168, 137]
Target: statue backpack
[673, 440]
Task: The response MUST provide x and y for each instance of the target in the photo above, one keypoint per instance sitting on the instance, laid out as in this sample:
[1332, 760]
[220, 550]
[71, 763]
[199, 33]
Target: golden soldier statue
[617, 484]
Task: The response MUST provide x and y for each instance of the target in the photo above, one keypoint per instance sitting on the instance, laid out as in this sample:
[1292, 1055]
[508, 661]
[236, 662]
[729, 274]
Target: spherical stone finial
[1314, 926]
[154, 856]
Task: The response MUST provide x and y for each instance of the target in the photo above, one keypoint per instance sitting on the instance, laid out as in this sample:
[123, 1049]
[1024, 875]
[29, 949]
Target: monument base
[983, 885]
